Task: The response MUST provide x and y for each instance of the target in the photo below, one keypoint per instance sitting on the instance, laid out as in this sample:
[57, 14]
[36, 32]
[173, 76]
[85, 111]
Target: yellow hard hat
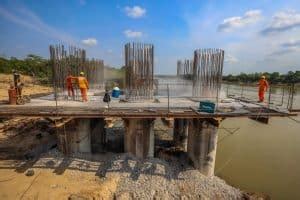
[81, 73]
[263, 77]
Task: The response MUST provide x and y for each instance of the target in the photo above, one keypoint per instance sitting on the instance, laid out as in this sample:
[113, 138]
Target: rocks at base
[29, 172]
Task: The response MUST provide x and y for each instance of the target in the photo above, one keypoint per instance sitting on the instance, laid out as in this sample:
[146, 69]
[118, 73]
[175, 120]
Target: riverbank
[254, 84]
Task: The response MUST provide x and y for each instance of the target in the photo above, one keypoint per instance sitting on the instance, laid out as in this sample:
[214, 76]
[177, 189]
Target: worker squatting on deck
[262, 88]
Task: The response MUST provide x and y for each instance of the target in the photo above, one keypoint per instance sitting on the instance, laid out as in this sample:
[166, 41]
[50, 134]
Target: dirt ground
[31, 167]
[31, 86]
[22, 141]
[45, 184]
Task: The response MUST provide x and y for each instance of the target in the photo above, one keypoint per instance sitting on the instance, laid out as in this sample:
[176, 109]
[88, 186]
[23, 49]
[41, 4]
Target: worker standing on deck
[83, 86]
[69, 84]
[262, 88]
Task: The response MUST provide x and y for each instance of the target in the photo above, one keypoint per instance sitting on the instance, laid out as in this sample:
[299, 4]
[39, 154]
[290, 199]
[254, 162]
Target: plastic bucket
[12, 96]
[115, 93]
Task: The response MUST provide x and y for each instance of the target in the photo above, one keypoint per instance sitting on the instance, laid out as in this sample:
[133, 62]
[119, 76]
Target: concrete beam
[202, 144]
[180, 133]
[139, 137]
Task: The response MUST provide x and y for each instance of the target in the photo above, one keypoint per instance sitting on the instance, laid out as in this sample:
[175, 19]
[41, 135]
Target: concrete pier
[180, 133]
[82, 135]
[202, 144]
[98, 135]
[139, 137]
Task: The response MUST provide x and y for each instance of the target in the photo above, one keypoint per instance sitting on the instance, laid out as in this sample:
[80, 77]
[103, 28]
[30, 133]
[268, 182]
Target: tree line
[274, 78]
[32, 65]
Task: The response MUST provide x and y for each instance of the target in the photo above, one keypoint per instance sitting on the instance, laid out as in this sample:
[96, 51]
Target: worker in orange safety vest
[263, 86]
[83, 86]
[69, 84]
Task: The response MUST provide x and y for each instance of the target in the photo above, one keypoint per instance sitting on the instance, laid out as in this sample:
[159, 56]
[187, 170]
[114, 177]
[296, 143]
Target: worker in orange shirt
[263, 86]
[69, 84]
[83, 86]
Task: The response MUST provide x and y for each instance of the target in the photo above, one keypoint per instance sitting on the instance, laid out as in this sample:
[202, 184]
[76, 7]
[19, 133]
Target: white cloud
[29, 19]
[89, 42]
[135, 11]
[230, 59]
[287, 48]
[250, 17]
[133, 34]
[291, 43]
[283, 21]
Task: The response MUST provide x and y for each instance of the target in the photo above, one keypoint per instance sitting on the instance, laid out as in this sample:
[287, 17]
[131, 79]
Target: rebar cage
[72, 61]
[207, 72]
[139, 71]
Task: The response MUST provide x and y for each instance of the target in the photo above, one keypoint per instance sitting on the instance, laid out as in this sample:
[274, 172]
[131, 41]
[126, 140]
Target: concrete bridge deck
[176, 108]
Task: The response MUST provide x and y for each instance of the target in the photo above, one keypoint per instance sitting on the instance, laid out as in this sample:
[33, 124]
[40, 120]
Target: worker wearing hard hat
[83, 86]
[69, 83]
[262, 88]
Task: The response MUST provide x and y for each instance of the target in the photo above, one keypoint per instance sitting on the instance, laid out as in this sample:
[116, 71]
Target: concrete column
[98, 135]
[180, 133]
[202, 144]
[139, 137]
[82, 135]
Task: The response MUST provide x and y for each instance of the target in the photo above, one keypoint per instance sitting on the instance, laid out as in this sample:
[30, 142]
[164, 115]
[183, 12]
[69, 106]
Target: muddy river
[257, 157]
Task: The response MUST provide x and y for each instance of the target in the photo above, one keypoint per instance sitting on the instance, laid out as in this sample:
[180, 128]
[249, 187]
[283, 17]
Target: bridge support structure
[202, 144]
[139, 137]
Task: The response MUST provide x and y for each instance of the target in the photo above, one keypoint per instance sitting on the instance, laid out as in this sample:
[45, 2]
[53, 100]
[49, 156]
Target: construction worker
[83, 86]
[16, 77]
[17, 83]
[262, 88]
[69, 84]
[106, 97]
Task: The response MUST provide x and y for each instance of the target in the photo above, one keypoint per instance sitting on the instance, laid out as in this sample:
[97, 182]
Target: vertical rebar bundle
[185, 68]
[73, 61]
[207, 72]
[94, 70]
[139, 71]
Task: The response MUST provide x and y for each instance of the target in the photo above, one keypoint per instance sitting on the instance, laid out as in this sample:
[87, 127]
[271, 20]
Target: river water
[257, 157]
[262, 158]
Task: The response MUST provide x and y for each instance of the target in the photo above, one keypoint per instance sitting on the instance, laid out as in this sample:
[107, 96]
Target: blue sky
[258, 35]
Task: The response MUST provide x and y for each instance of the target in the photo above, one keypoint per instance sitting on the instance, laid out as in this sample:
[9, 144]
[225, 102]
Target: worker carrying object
[69, 84]
[106, 97]
[262, 88]
[83, 86]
